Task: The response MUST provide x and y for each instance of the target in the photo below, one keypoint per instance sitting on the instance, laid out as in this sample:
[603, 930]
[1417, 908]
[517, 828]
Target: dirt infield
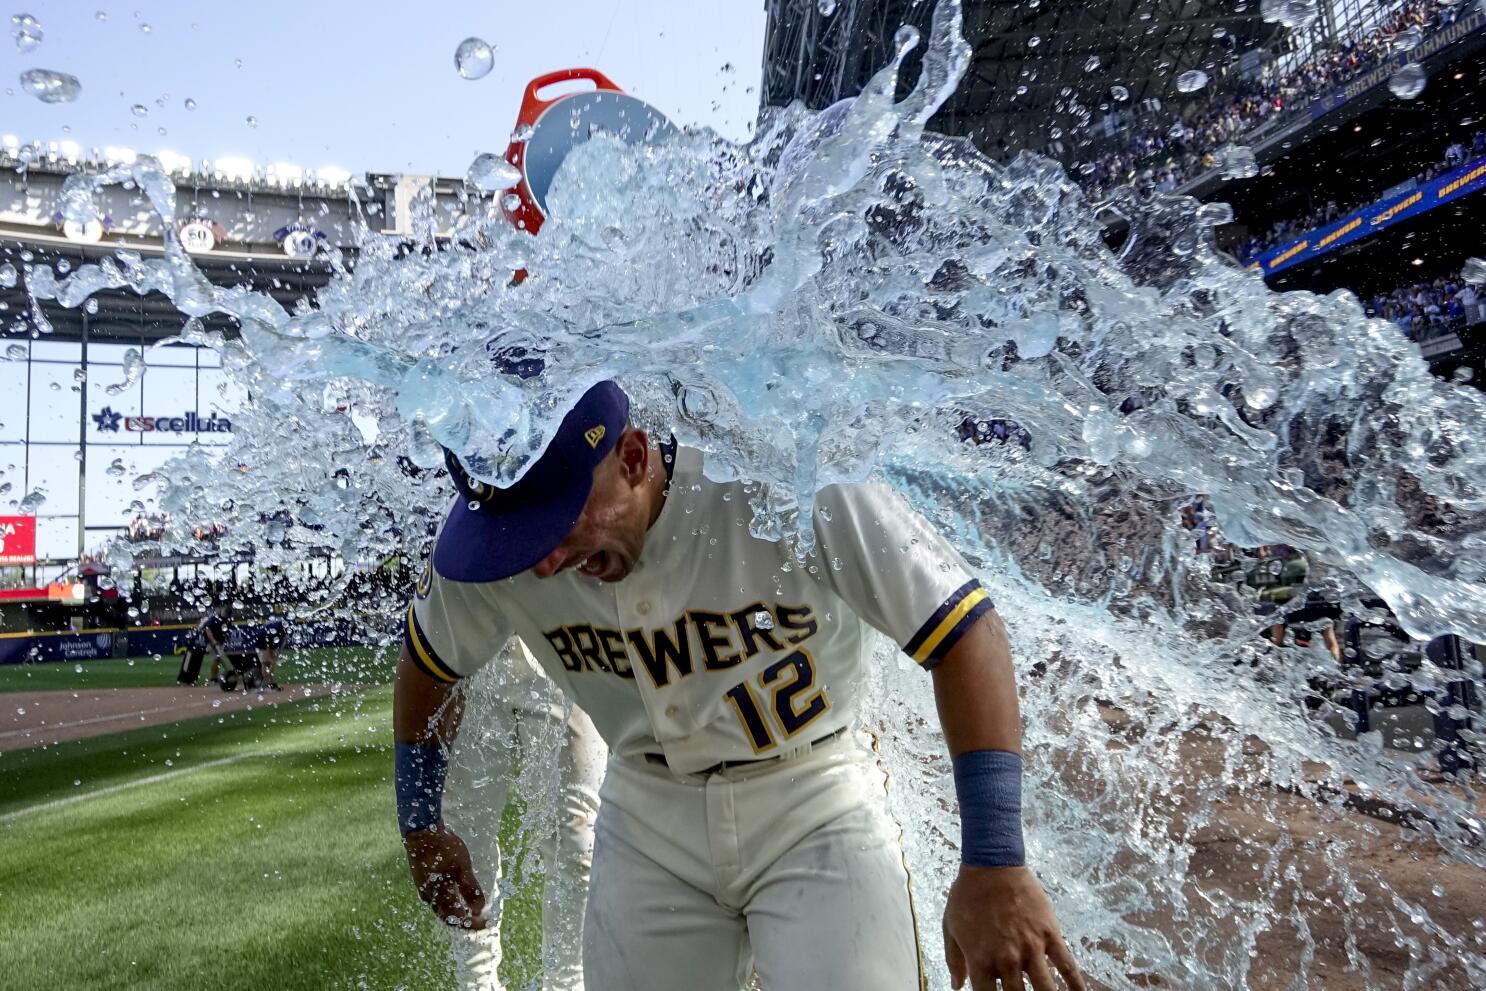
[31, 719]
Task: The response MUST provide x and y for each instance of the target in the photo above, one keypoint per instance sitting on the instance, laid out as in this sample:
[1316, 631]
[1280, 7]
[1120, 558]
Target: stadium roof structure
[251, 215]
[1041, 68]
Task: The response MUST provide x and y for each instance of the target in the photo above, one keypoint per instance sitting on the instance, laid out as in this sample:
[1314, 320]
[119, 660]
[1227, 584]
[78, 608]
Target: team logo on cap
[425, 582]
[593, 435]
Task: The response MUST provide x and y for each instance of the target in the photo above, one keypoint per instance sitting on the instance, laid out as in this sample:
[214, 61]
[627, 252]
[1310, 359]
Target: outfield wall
[89, 645]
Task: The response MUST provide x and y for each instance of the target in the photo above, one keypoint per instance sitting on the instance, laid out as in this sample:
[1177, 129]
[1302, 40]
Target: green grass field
[358, 665]
[256, 849]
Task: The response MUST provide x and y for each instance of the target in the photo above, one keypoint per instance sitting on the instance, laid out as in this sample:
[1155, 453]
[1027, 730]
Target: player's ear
[633, 452]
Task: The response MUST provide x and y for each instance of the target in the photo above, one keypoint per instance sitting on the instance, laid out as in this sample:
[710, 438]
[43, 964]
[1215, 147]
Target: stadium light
[235, 168]
[332, 175]
[173, 161]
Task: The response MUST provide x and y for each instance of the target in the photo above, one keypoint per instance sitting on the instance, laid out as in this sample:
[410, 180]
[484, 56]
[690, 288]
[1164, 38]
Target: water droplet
[1407, 40]
[16, 352]
[116, 468]
[474, 58]
[1119, 93]
[1215, 214]
[1034, 41]
[522, 133]
[1293, 14]
[1474, 271]
[1191, 81]
[101, 15]
[90, 307]
[763, 620]
[252, 121]
[905, 39]
[8, 277]
[78, 668]
[20, 711]
[826, 7]
[1237, 162]
[190, 104]
[139, 110]
[1408, 82]
[145, 29]
[489, 173]
[26, 31]
[1091, 63]
[50, 86]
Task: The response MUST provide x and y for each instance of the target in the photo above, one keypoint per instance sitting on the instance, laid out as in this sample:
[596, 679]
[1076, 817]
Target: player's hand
[445, 878]
[999, 925]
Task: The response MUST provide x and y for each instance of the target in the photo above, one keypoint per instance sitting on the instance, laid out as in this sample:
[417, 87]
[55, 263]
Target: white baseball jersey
[719, 646]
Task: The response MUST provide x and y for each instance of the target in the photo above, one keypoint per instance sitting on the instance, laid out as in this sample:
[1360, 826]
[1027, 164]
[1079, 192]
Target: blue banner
[86, 646]
[1383, 71]
[1370, 219]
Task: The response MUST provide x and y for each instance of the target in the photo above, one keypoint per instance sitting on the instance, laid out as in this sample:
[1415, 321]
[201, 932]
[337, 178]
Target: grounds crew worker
[743, 824]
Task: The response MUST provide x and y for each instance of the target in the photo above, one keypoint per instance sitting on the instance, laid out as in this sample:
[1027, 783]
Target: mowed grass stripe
[160, 883]
[279, 868]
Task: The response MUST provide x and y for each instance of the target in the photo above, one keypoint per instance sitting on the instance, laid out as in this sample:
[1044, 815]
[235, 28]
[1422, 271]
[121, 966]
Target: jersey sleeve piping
[948, 624]
[423, 654]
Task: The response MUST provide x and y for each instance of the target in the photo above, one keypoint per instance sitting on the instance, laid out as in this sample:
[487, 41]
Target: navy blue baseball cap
[494, 533]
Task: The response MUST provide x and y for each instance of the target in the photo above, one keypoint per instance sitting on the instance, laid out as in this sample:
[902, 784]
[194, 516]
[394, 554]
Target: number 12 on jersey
[782, 683]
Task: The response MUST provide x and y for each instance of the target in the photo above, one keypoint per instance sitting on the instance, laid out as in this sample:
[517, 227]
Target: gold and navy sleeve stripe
[422, 652]
[949, 622]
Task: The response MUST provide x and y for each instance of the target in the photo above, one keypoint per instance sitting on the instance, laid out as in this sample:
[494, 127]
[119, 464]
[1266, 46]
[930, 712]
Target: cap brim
[477, 545]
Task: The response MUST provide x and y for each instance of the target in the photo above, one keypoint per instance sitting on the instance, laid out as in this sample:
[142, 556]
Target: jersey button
[642, 607]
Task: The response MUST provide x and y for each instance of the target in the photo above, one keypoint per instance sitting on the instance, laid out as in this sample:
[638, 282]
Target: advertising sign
[17, 540]
[1358, 224]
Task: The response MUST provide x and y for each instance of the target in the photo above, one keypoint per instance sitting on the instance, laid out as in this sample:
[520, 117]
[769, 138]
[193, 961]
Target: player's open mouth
[595, 565]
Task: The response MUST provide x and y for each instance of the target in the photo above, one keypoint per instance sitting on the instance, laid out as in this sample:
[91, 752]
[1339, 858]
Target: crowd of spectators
[1163, 156]
[1456, 154]
[1429, 309]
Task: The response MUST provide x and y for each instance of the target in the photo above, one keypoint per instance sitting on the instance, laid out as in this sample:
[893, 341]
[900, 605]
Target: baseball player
[743, 823]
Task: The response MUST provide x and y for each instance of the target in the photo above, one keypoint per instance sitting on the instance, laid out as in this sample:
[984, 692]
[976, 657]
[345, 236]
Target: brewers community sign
[190, 422]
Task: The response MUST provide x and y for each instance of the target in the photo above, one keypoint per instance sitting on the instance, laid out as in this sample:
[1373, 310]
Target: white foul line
[99, 793]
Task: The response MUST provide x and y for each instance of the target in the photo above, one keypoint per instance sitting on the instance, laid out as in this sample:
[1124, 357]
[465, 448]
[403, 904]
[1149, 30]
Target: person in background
[271, 638]
[210, 634]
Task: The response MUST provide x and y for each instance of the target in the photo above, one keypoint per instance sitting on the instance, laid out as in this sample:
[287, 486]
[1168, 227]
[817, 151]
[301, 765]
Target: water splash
[837, 298]
[1408, 82]
[51, 86]
[26, 31]
[474, 58]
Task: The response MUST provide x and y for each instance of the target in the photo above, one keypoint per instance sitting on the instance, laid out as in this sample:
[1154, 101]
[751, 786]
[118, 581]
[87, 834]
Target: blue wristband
[989, 783]
[418, 773]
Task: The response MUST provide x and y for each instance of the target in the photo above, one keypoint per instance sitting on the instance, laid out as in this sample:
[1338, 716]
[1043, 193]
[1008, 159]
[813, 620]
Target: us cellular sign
[190, 422]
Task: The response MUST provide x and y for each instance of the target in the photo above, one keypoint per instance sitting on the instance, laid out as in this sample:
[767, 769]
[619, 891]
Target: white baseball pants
[791, 867]
[487, 755]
